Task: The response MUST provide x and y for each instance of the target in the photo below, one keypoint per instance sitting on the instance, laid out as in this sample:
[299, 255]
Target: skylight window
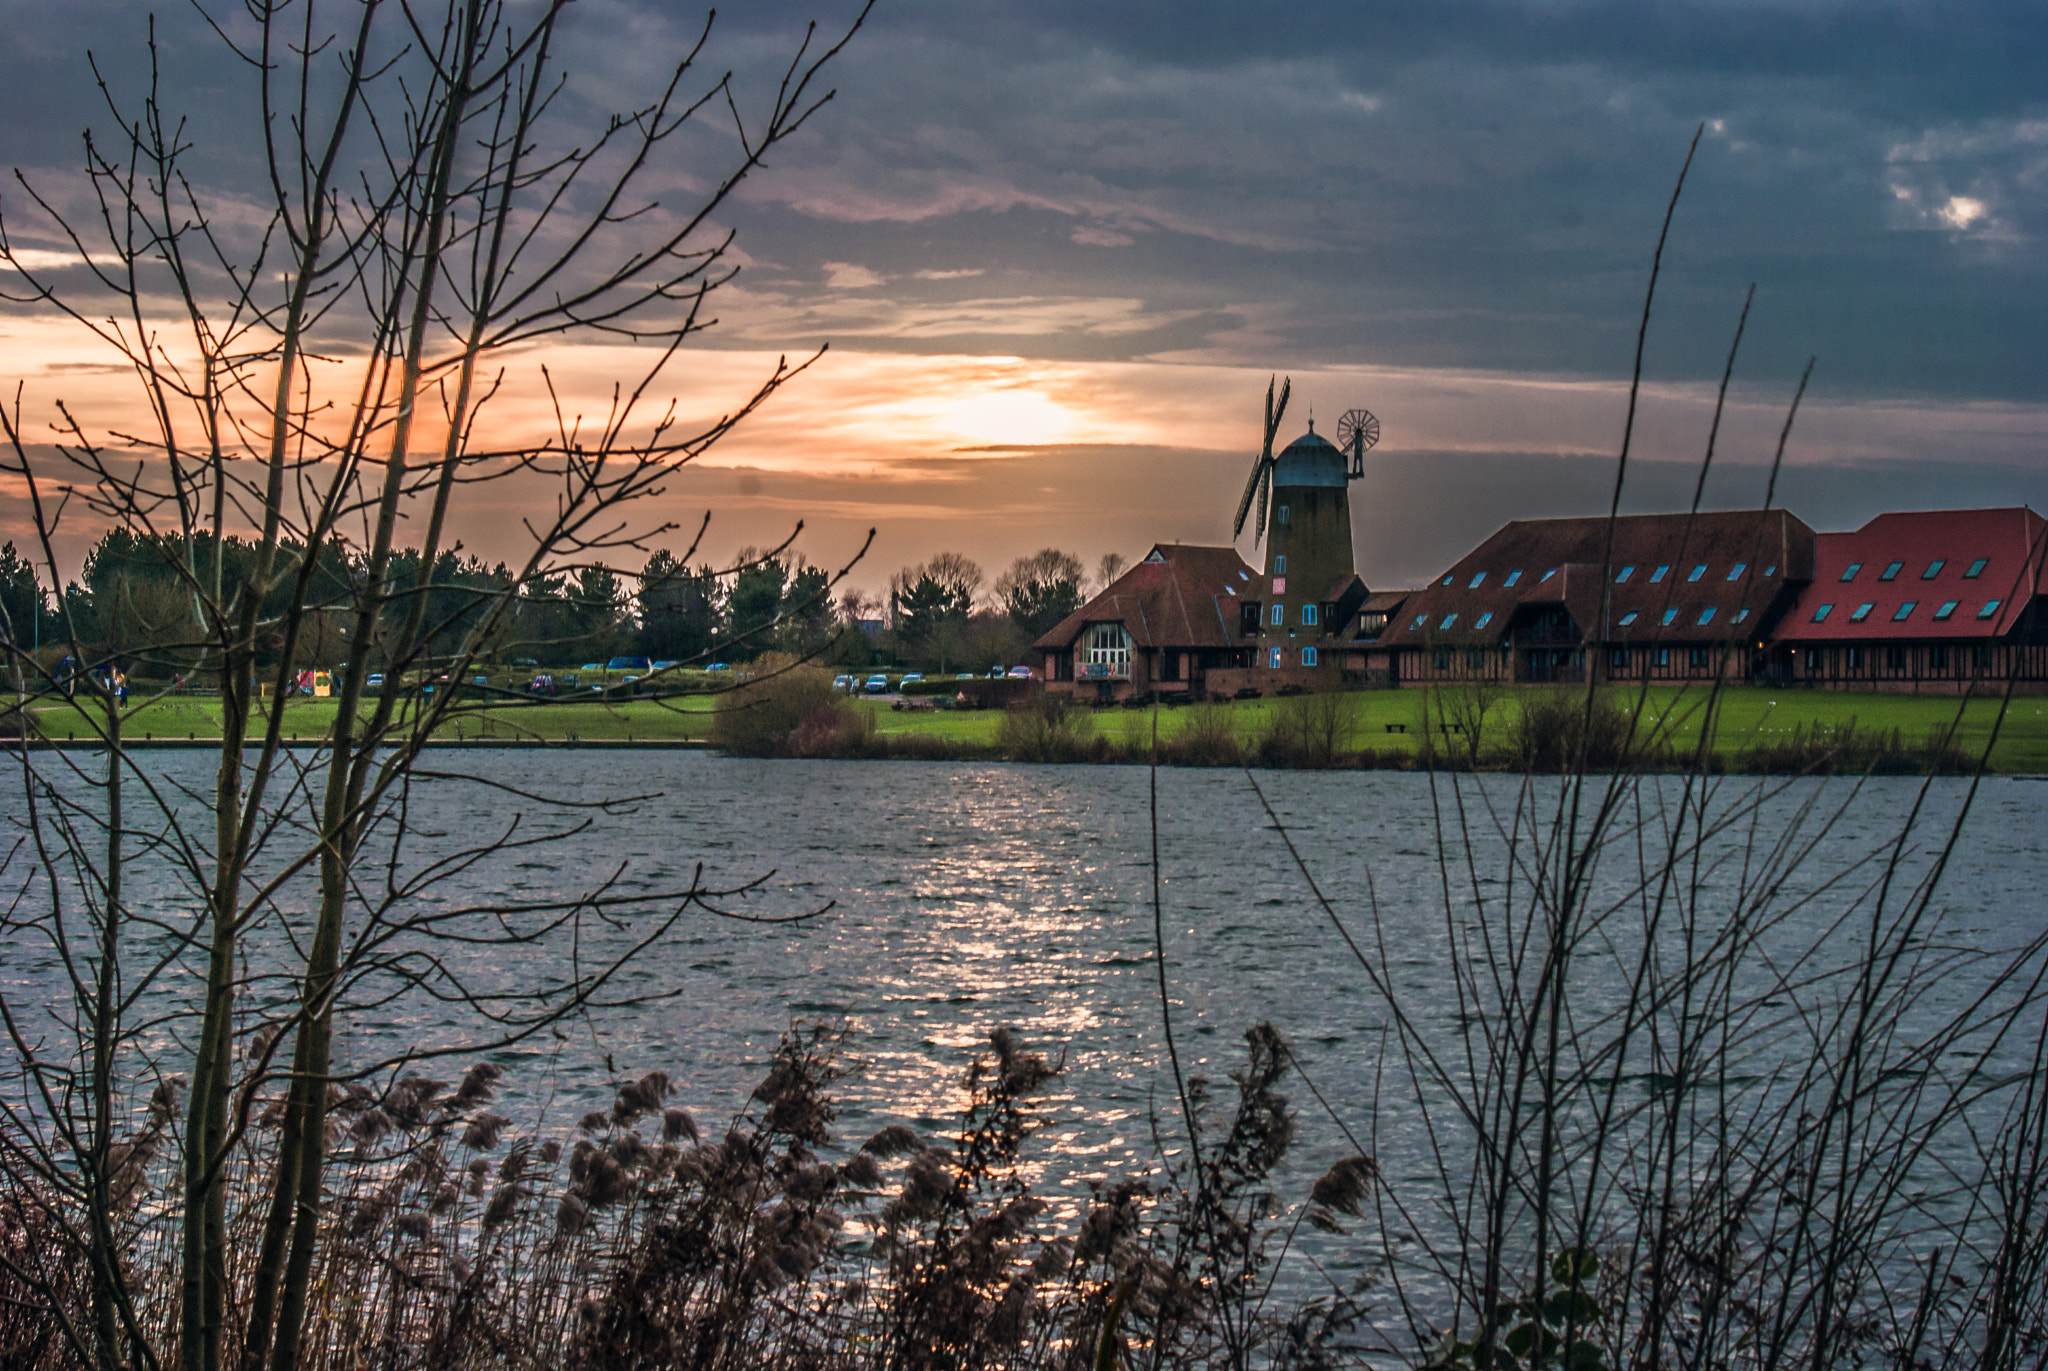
[1820, 616]
[1483, 620]
[1547, 575]
[1659, 574]
[1891, 572]
[1976, 568]
[1934, 568]
[1244, 575]
[1449, 619]
[1449, 579]
[1905, 612]
[1669, 615]
[1621, 576]
[1706, 617]
[1990, 608]
[1862, 612]
[1474, 583]
[1740, 615]
[1736, 574]
[1770, 571]
[1513, 576]
[1948, 607]
[1420, 620]
[1628, 618]
[1850, 574]
[1697, 572]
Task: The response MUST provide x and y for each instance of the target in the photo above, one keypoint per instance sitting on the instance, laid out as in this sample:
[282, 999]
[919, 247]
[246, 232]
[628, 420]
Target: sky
[1055, 250]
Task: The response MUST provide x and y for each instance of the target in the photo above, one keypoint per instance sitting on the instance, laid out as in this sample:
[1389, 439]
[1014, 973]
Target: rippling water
[968, 897]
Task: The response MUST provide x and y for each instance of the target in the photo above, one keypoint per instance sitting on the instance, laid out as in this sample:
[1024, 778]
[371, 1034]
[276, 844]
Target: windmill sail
[1261, 483]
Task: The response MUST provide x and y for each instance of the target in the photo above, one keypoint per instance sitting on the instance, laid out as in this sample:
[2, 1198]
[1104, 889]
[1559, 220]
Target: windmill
[1261, 483]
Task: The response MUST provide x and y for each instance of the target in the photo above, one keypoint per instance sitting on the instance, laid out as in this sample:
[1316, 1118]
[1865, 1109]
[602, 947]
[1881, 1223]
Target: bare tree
[318, 384]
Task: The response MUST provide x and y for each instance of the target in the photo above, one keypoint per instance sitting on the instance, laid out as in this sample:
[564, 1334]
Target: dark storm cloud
[1466, 184]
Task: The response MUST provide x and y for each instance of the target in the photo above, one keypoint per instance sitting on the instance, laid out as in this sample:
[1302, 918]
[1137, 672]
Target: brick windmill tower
[1311, 580]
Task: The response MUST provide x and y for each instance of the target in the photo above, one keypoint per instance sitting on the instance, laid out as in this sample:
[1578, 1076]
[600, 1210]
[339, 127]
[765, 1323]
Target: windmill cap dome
[1310, 460]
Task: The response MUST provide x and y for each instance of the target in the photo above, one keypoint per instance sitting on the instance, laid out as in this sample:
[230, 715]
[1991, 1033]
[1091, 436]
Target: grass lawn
[1386, 721]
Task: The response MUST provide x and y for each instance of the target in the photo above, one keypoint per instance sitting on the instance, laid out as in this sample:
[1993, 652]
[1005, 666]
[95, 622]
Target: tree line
[138, 598]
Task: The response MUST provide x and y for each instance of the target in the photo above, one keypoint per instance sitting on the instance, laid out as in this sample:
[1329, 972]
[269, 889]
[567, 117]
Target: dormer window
[1934, 569]
[1891, 572]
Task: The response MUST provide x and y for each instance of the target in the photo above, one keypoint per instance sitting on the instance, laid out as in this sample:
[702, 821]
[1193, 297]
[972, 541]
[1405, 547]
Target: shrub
[1310, 731]
[1208, 738]
[1045, 728]
[782, 697]
[1555, 723]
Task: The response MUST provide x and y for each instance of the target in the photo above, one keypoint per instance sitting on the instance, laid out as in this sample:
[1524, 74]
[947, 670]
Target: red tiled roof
[2007, 541]
[1715, 566]
[1177, 596]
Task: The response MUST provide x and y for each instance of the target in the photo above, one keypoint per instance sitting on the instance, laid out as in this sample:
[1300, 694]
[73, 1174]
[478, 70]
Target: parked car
[1022, 673]
[910, 678]
[843, 683]
[966, 676]
[995, 673]
[877, 684]
[629, 664]
[719, 666]
[376, 681]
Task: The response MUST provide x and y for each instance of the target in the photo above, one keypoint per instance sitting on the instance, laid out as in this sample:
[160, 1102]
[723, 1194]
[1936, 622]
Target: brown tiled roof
[1934, 552]
[1723, 573]
[1178, 596]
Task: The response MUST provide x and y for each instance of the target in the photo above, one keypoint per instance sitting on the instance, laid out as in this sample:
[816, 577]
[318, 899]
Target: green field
[1386, 721]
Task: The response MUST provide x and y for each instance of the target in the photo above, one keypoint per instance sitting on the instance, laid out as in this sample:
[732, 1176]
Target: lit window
[1283, 514]
[1736, 574]
[1449, 619]
[1740, 615]
[1280, 565]
[1273, 658]
[1628, 618]
[1990, 608]
[1420, 620]
[1820, 616]
[1279, 615]
[1483, 620]
[1905, 612]
[1308, 656]
[1976, 568]
[1308, 613]
[1670, 616]
[1513, 576]
[1621, 576]
[1948, 607]
[1891, 572]
[1934, 568]
[1850, 574]
[1659, 574]
[1698, 572]
[1862, 612]
[1474, 585]
[1547, 575]
[1706, 617]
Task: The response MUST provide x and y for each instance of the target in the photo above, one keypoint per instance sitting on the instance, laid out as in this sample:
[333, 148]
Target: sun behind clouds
[1005, 417]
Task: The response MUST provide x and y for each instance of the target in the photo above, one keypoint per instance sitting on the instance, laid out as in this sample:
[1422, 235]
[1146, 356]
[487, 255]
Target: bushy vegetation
[784, 706]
